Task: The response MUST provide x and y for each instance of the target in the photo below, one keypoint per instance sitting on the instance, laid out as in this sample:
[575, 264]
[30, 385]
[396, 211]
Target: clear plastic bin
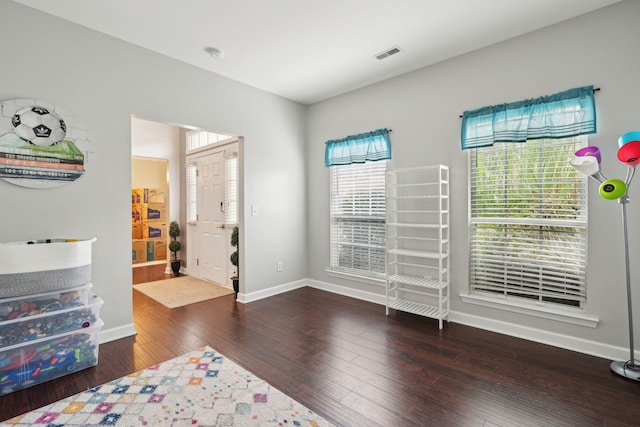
[25, 306]
[48, 324]
[35, 362]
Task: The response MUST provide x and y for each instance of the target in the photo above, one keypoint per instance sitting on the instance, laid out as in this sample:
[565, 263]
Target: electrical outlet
[279, 266]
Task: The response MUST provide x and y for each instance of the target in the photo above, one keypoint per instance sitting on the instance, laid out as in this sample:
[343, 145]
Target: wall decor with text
[41, 145]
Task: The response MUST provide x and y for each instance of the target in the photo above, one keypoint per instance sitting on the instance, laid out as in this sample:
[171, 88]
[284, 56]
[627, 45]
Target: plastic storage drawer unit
[32, 305]
[48, 324]
[34, 362]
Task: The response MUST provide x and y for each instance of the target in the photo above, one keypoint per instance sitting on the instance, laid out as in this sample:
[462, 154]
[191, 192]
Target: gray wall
[104, 81]
[423, 109]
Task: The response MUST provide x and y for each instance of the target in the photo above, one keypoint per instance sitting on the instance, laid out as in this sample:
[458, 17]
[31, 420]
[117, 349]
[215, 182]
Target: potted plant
[174, 247]
[235, 260]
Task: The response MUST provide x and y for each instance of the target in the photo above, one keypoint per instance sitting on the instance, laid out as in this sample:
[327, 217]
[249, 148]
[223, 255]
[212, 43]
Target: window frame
[580, 224]
[191, 193]
[231, 188]
[198, 140]
[377, 216]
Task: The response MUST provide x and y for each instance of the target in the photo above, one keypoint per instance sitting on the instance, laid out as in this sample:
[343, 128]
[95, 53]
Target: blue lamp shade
[628, 137]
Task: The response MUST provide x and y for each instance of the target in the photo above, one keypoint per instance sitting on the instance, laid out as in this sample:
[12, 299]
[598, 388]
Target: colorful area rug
[181, 291]
[201, 388]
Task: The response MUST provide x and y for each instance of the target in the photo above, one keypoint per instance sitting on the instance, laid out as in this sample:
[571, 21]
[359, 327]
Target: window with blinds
[528, 221]
[358, 218]
[191, 172]
[231, 190]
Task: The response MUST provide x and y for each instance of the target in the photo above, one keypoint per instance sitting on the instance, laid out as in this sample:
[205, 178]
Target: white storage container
[44, 266]
[35, 362]
[30, 328]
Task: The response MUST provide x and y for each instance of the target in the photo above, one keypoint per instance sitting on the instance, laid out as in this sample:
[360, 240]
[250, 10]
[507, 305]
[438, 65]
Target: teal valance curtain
[369, 146]
[562, 115]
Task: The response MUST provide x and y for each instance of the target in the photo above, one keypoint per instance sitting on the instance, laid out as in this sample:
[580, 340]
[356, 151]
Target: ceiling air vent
[388, 52]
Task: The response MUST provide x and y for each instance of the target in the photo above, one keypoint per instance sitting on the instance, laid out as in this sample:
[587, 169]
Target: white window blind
[192, 192]
[358, 218]
[528, 221]
[231, 189]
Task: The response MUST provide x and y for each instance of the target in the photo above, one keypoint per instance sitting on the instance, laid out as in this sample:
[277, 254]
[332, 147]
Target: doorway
[152, 174]
[219, 158]
[212, 211]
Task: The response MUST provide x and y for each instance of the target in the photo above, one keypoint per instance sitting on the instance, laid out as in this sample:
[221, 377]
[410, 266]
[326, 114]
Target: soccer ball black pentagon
[39, 126]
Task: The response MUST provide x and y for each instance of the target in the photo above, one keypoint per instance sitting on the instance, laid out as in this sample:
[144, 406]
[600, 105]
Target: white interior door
[212, 244]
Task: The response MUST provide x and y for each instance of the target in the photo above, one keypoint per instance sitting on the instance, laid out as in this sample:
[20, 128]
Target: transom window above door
[198, 139]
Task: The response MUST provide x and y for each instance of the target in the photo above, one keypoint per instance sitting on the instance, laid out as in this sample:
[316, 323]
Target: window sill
[543, 311]
[358, 278]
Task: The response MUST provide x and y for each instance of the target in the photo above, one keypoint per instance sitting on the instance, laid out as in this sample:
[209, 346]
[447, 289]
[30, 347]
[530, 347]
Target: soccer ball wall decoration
[39, 126]
[41, 145]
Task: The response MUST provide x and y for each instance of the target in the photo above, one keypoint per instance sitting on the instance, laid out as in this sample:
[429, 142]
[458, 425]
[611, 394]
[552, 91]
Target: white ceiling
[310, 50]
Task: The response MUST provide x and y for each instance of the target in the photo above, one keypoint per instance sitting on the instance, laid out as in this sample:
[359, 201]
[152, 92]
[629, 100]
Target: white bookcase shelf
[418, 241]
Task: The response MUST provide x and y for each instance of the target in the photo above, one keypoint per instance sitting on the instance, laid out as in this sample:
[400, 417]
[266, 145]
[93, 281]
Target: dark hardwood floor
[347, 361]
[150, 273]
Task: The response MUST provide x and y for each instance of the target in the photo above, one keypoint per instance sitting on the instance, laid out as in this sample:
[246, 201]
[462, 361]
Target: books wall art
[41, 145]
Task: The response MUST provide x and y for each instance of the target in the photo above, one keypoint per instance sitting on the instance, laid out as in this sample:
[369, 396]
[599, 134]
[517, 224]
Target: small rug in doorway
[181, 291]
[201, 388]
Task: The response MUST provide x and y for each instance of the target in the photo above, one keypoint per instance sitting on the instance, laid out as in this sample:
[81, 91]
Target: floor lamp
[587, 161]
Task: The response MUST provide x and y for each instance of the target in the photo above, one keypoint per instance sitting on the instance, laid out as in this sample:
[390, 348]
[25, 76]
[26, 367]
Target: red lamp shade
[629, 153]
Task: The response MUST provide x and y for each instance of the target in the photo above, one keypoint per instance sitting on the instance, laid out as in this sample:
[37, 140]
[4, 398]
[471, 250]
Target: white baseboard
[567, 342]
[148, 263]
[329, 287]
[265, 293]
[113, 334]
[348, 292]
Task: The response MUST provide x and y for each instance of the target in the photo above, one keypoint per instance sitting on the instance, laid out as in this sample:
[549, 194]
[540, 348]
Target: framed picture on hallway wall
[41, 145]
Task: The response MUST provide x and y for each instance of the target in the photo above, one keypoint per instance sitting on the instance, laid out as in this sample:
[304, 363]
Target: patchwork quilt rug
[201, 388]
